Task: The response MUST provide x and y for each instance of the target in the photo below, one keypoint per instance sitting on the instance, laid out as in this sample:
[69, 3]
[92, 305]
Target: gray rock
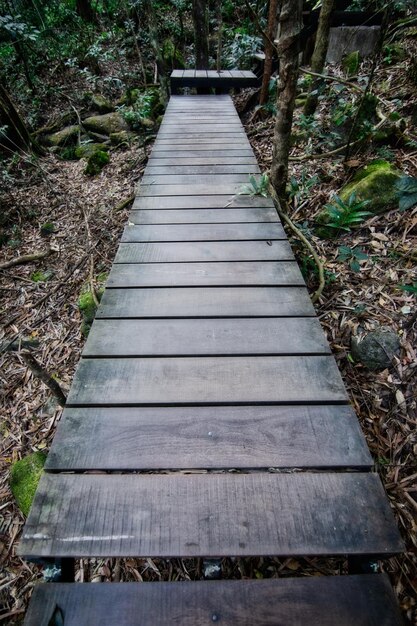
[376, 349]
[105, 124]
[346, 39]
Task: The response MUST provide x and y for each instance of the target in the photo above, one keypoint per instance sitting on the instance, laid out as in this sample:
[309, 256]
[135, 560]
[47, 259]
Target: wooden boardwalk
[207, 417]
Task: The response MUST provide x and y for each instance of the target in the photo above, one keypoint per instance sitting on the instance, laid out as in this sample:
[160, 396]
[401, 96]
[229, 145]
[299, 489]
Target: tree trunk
[201, 34]
[84, 10]
[219, 35]
[319, 55]
[17, 135]
[288, 45]
[157, 49]
[269, 50]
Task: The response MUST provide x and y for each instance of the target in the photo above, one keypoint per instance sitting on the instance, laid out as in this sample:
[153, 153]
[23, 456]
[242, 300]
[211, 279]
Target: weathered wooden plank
[210, 515]
[177, 73]
[146, 438]
[206, 380]
[193, 179]
[202, 202]
[176, 337]
[191, 189]
[154, 161]
[366, 600]
[225, 152]
[188, 74]
[218, 274]
[169, 170]
[203, 216]
[191, 252]
[201, 73]
[203, 232]
[205, 302]
[203, 126]
[199, 144]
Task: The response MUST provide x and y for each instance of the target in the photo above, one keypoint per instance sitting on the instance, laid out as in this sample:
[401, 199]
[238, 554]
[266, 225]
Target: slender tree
[85, 10]
[319, 55]
[269, 50]
[200, 20]
[288, 46]
[16, 136]
[157, 49]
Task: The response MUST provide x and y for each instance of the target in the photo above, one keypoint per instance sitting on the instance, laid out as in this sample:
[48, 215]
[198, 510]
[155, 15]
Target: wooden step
[204, 232]
[202, 216]
[226, 437]
[209, 515]
[194, 302]
[365, 600]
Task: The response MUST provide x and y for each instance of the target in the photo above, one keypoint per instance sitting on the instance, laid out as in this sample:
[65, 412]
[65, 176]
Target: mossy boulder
[376, 182]
[376, 349]
[106, 124]
[84, 151]
[24, 478]
[65, 137]
[101, 104]
[123, 136]
[96, 162]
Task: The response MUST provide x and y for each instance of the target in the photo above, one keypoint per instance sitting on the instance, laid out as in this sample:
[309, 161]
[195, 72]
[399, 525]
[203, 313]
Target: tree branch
[27, 258]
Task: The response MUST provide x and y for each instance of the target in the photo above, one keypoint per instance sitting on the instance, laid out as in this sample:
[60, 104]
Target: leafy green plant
[299, 188]
[258, 186]
[346, 215]
[410, 288]
[240, 51]
[406, 189]
[353, 255]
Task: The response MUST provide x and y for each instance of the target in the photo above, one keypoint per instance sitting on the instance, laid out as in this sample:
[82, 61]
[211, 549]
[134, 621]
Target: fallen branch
[335, 79]
[27, 258]
[304, 240]
[125, 203]
[35, 367]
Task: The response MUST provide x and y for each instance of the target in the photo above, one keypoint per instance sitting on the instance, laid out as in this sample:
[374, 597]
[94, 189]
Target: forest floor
[88, 223]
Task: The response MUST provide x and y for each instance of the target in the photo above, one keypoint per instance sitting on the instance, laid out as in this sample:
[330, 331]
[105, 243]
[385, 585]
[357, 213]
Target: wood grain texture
[201, 169]
[155, 438]
[218, 274]
[195, 154]
[203, 232]
[202, 216]
[184, 251]
[366, 600]
[196, 515]
[206, 380]
[193, 179]
[202, 202]
[203, 160]
[205, 302]
[293, 335]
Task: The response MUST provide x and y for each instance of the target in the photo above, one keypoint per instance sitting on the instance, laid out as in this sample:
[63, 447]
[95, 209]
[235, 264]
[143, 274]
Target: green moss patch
[24, 478]
[96, 162]
[375, 182]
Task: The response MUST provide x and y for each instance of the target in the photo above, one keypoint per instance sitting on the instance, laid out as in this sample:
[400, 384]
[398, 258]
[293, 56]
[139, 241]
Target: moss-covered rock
[376, 183]
[65, 137]
[24, 478]
[123, 136]
[96, 162]
[106, 124]
[351, 63]
[101, 104]
[84, 151]
[376, 349]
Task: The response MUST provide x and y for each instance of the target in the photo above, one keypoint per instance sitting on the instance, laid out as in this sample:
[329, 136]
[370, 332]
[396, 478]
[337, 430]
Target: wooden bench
[222, 81]
[206, 359]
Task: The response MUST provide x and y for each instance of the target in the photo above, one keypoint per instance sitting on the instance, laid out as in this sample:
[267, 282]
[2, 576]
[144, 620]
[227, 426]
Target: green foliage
[410, 288]
[96, 162]
[239, 52]
[145, 105]
[47, 229]
[406, 189]
[300, 188]
[41, 277]
[87, 305]
[258, 186]
[353, 256]
[346, 215]
[24, 478]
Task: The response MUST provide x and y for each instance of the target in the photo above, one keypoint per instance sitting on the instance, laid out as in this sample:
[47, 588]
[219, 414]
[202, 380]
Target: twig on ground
[27, 258]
